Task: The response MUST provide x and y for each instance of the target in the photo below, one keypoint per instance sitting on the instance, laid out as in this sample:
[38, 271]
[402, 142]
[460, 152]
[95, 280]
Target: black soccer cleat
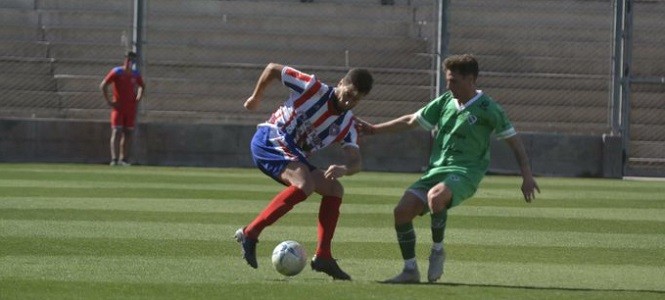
[330, 267]
[248, 247]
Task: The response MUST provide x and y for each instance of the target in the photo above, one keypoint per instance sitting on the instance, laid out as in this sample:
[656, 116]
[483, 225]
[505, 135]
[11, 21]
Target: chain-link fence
[548, 62]
[646, 149]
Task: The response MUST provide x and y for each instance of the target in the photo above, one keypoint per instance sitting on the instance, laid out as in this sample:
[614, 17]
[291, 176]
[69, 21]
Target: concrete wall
[223, 145]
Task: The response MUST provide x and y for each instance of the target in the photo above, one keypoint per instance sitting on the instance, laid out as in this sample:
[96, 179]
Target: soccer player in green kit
[464, 119]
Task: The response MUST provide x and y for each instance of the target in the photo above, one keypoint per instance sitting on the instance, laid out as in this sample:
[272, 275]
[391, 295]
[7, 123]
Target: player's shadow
[525, 287]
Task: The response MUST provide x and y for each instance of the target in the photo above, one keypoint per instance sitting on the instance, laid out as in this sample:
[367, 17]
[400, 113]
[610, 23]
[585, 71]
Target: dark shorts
[272, 152]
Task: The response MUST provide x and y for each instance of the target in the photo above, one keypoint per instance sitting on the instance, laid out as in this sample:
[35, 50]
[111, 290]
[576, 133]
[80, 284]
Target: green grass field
[96, 232]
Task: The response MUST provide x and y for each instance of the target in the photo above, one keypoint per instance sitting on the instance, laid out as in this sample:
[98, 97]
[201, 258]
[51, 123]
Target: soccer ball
[289, 258]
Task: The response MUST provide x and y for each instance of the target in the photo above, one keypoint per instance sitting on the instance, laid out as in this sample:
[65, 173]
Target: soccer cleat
[436, 260]
[330, 267]
[113, 163]
[407, 276]
[248, 247]
[124, 163]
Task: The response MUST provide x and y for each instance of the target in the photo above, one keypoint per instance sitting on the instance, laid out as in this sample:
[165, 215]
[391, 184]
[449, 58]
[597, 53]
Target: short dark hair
[465, 64]
[131, 54]
[361, 79]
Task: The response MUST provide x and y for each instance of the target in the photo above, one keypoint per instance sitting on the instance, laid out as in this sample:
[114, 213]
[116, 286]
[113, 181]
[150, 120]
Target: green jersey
[463, 132]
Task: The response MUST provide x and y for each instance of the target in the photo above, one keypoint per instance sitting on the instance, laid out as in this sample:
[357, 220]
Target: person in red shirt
[128, 90]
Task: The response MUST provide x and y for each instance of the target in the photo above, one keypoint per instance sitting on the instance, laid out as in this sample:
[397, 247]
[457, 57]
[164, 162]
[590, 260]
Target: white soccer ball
[289, 258]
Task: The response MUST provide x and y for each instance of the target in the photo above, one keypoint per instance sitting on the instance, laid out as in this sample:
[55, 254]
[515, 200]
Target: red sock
[328, 216]
[279, 206]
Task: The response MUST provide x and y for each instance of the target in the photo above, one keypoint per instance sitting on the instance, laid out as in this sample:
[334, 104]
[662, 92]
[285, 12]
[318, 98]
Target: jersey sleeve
[110, 77]
[429, 115]
[502, 126]
[295, 80]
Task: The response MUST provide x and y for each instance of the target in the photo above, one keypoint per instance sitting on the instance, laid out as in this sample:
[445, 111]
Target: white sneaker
[407, 276]
[436, 260]
[123, 163]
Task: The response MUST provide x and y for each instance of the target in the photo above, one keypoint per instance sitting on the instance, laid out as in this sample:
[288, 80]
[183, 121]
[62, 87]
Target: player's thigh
[298, 174]
[439, 197]
[409, 206]
[326, 187]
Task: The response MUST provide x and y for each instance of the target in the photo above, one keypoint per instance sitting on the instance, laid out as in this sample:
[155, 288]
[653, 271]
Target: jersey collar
[461, 107]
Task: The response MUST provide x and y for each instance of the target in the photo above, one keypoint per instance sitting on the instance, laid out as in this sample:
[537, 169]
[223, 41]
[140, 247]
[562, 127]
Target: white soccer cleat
[436, 260]
[407, 276]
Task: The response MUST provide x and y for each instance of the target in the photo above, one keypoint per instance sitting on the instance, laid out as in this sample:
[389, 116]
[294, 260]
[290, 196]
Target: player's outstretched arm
[529, 185]
[395, 125]
[272, 72]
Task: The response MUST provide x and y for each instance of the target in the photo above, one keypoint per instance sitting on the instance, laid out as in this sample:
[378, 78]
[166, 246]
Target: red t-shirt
[124, 87]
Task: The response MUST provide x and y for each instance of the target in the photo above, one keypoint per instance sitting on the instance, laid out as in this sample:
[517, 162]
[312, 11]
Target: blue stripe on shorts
[272, 159]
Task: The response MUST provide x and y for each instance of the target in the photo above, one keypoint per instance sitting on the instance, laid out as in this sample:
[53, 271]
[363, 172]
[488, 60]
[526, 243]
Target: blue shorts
[272, 152]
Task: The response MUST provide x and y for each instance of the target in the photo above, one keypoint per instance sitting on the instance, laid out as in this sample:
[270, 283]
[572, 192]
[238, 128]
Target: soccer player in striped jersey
[464, 119]
[314, 116]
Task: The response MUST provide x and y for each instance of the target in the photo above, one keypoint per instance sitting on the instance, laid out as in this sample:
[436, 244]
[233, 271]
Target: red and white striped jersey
[308, 117]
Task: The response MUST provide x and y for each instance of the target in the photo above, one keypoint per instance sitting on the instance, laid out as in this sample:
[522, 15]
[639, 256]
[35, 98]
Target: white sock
[437, 246]
[410, 264]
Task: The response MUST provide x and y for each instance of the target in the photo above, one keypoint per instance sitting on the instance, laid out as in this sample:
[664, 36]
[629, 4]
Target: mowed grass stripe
[354, 218]
[160, 230]
[231, 270]
[162, 174]
[268, 186]
[246, 206]
[342, 250]
[264, 197]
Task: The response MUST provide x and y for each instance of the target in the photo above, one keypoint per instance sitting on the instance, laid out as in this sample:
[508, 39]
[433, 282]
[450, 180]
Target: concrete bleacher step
[525, 34]
[251, 72]
[549, 97]
[156, 54]
[647, 132]
[26, 82]
[528, 81]
[647, 149]
[43, 100]
[27, 66]
[587, 128]
[29, 49]
[566, 49]
[230, 89]
[544, 65]
[86, 18]
[89, 35]
[20, 33]
[88, 52]
[353, 58]
[283, 24]
[245, 39]
[653, 99]
[17, 4]
[18, 17]
[532, 13]
[121, 6]
[323, 9]
[234, 71]
[547, 113]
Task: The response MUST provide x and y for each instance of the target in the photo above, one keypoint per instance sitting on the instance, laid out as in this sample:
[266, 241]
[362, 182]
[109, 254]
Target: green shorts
[462, 187]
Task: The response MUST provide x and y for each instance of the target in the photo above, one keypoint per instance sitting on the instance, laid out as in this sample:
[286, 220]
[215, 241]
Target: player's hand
[335, 172]
[363, 127]
[252, 103]
[529, 188]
